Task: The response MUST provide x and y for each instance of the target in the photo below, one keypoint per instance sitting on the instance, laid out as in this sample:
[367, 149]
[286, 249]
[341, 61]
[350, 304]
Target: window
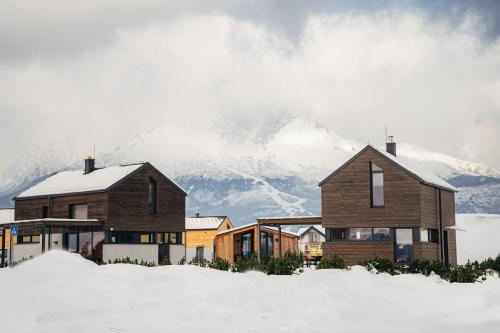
[147, 238]
[313, 237]
[434, 236]
[246, 245]
[339, 234]
[45, 212]
[28, 239]
[266, 244]
[152, 200]
[381, 234]
[424, 235]
[377, 185]
[79, 211]
[360, 234]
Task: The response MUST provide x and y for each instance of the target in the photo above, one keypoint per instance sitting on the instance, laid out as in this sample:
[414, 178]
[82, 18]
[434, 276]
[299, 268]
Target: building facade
[140, 213]
[243, 241]
[377, 205]
[310, 241]
[200, 235]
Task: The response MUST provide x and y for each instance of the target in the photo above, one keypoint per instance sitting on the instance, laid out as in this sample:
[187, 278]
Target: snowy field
[61, 292]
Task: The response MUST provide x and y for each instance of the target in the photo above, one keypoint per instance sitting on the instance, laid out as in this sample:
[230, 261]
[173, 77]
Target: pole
[258, 240]
[3, 247]
[279, 240]
[10, 248]
[43, 238]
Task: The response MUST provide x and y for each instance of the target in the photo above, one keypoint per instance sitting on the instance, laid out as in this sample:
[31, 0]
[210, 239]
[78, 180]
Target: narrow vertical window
[377, 185]
[152, 200]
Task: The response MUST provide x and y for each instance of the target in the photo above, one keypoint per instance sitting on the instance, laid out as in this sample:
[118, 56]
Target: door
[246, 244]
[70, 242]
[200, 253]
[403, 251]
[163, 253]
[445, 247]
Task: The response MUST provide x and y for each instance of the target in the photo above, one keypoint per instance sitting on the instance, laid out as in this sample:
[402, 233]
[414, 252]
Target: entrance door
[200, 255]
[445, 247]
[404, 245]
[70, 242]
[246, 244]
[163, 253]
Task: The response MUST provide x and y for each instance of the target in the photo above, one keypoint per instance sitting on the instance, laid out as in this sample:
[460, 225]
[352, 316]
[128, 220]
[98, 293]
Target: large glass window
[434, 236]
[381, 234]
[339, 234]
[266, 244]
[246, 244]
[360, 234]
[404, 245]
[377, 185]
[152, 200]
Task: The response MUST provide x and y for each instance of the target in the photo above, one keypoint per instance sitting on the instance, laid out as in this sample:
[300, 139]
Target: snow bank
[61, 292]
[480, 238]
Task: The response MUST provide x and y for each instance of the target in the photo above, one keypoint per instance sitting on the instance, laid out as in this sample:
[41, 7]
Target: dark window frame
[372, 172]
[330, 232]
[70, 208]
[152, 196]
[20, 239]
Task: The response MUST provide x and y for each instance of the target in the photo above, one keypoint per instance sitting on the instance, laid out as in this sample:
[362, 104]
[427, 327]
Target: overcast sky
[102, 72]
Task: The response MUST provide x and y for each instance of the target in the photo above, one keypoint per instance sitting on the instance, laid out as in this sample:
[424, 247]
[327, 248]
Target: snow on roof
[424, 175]
[302, 230]
[204, 222]
[77, 181]
[254, 224]
[6, 215]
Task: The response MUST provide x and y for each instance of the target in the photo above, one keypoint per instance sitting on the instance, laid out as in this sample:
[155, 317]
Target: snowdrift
[62, 292]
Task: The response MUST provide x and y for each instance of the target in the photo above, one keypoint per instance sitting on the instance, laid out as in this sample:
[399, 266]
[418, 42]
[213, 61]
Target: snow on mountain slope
[250, 169]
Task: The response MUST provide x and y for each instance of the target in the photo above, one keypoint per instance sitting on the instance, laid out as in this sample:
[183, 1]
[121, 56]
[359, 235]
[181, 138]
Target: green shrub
[220, 264]
[248, 263]
[182, 261]
[381, 265]
[164, 262]
[333, 262]
[285, 265]
[468, 273]
[202, 262]
[127, 260]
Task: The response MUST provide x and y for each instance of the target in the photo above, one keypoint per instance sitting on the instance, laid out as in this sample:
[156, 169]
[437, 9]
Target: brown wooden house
[376, 204]
[133, 204]
[243, 242]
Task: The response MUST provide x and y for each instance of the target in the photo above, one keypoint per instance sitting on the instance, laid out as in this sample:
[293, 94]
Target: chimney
[197, 214]
[390, 146]
[89, 164]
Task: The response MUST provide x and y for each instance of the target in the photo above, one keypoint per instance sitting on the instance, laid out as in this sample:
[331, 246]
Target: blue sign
[13, 230]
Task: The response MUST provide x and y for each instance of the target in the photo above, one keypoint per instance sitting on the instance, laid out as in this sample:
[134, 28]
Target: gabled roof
[241, 227]
[204, 222]
[77, 182]
[420, 174]
[318, 228]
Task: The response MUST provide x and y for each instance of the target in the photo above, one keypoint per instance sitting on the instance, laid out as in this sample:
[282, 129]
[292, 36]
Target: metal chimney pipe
[390, 146]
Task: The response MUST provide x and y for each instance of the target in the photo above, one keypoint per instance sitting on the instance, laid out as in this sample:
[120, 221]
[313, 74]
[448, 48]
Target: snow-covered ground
[480, 237]
[61, 292]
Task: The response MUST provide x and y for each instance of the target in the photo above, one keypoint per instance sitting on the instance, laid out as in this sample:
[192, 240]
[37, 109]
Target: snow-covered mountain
[245, 171]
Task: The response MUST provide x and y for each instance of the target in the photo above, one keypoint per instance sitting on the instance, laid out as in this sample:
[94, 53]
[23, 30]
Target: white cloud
[432, 85]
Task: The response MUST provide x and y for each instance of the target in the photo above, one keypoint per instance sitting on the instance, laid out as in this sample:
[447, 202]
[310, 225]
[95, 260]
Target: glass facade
[360, 234]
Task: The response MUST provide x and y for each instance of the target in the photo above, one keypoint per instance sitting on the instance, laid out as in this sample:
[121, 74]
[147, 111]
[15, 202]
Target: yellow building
[6, 216]
[200, 235]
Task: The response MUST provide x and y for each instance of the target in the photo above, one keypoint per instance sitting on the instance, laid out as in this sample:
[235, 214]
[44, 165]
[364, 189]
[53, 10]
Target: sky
[101, 72]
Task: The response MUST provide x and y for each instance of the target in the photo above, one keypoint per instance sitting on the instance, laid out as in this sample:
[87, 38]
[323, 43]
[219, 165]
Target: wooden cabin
[104, 213]
[242, 242]
[200, 235]
[376, 204]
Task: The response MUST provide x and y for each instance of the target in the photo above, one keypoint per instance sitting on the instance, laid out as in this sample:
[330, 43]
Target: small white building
[310, 240]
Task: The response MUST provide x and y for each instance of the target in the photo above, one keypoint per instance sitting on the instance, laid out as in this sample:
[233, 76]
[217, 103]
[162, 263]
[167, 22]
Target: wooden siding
[356, 252]
[27, 209]
[345, 198]
[128, 204]
[228, 245]
[196, 238]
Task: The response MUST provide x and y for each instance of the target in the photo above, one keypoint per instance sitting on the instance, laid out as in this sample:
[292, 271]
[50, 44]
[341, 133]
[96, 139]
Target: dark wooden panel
[346, 196]
[128, 204]
[355, 253]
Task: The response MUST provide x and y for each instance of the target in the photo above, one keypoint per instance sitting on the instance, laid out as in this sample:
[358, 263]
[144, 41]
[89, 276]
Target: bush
[202, 262]
[164, 262]
[381, 265]
[468, 273]
[285, 265]
[182, 261]
[334, 262]
[220, 264]
[127, 260]
[247, 264]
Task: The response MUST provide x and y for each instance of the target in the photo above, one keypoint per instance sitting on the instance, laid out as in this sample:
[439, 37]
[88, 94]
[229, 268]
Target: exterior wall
[25, 251]
[128, 204]
[354, 253]
[27, 209]
[345, 198]
[208, 253]
[146, 252]
[228, 245]
[176, 253]
[448, 213]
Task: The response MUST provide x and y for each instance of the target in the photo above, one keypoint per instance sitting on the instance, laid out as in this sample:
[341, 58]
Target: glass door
[404, 245]
[246, 244]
